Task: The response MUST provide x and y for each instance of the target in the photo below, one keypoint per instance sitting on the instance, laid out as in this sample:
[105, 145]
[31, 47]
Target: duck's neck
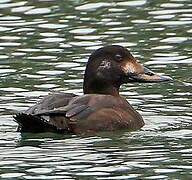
[92, 86]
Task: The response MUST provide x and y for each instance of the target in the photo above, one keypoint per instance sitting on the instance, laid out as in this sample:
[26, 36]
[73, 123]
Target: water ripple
[132, 3]
[83, 31]
[38, 11]
[92, 6]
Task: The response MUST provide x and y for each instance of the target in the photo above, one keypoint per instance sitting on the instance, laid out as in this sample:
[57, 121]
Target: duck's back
[50, 102]
[68, 113]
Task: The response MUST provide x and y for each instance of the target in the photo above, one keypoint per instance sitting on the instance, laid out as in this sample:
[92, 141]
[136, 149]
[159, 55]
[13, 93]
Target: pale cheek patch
[104, 65]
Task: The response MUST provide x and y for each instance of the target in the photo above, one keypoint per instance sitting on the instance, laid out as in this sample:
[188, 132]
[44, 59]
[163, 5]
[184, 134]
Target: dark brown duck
[101, 108]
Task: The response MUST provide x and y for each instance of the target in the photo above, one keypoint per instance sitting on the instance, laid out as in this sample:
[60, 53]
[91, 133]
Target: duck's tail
[34, 124]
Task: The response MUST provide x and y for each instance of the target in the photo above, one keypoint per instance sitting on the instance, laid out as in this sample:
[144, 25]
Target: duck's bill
[148, 76]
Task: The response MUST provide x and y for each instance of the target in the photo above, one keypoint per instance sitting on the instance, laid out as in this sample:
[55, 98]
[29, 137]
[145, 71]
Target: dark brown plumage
[101, 108]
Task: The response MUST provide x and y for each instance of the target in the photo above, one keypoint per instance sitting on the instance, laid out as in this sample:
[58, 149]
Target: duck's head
[111, 66]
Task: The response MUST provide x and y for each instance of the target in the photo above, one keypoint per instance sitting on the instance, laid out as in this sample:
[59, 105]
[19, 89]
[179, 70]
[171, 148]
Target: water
[44, 46]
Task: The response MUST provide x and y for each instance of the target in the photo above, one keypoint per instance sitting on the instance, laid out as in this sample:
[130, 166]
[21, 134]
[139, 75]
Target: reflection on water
[44, 46]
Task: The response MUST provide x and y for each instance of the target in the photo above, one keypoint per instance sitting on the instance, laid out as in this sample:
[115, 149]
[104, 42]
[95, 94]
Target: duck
[101, 107]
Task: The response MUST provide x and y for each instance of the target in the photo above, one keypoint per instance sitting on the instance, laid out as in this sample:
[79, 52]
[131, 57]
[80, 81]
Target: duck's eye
[118, 57]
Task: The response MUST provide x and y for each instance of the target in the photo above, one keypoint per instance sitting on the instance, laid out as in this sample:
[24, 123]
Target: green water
[44, 46]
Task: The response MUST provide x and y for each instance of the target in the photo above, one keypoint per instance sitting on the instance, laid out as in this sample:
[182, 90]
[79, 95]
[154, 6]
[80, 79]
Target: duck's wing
[30, 121]
[61, 120]
[66, 118]
[50, 102]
